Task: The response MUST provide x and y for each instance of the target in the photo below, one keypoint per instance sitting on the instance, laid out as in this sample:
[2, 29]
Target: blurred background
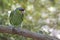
[41, 16]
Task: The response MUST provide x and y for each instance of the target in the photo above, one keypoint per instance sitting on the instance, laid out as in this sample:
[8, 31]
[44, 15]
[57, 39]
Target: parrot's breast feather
[16, 18]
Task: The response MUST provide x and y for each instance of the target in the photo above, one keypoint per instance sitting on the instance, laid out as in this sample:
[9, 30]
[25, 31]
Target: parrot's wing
[11, 17]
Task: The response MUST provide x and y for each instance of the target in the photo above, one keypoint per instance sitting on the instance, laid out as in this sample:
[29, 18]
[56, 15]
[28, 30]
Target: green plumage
[16, 18]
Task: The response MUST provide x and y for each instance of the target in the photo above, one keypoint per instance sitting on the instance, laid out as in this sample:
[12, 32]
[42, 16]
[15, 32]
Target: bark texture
[25, 33]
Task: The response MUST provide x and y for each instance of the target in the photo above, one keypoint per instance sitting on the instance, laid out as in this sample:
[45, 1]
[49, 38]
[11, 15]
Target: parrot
[16, 16]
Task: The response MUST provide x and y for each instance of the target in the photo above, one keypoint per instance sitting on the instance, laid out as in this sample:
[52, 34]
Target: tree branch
[25, 33]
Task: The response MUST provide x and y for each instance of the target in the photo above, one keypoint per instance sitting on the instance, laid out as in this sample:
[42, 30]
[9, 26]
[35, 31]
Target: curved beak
[23, 12]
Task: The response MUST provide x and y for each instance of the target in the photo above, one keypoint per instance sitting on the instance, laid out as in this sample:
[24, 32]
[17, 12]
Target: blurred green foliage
[37, 14]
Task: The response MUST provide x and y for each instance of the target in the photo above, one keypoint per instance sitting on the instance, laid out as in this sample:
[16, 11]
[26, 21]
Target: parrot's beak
[23, 12]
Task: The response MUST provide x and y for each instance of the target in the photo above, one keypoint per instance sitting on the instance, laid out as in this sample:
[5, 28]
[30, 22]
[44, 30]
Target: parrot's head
[21, 9]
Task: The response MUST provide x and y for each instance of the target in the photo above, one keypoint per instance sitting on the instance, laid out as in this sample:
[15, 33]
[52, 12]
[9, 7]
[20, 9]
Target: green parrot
[16, 17]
